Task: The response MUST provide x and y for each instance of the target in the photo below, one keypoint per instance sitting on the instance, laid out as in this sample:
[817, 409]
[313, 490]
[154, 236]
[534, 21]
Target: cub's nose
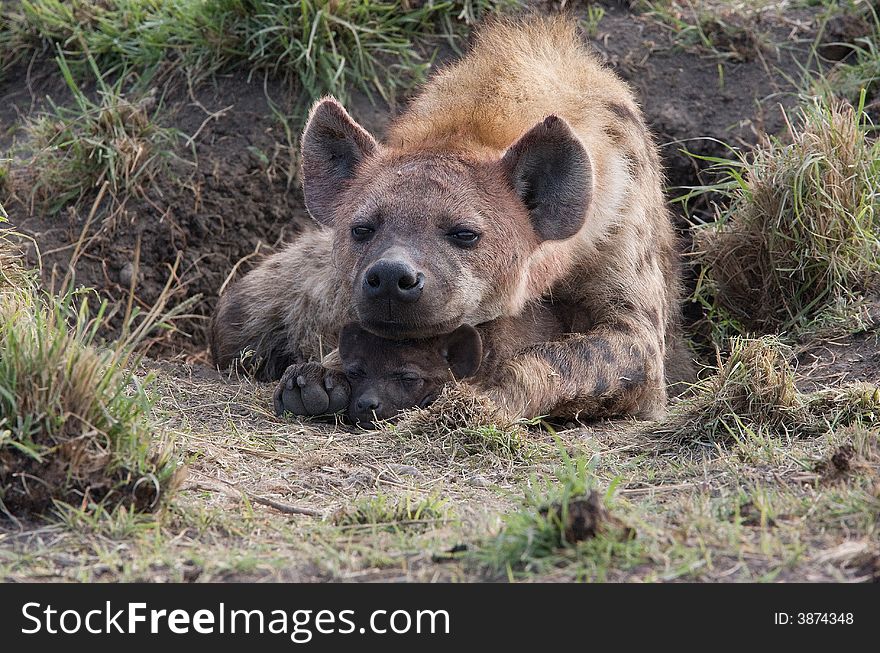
[367, 405]
[393, 280]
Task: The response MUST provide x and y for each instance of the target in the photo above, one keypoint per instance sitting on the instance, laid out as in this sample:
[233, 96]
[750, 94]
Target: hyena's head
[387, 376]
[432, 239]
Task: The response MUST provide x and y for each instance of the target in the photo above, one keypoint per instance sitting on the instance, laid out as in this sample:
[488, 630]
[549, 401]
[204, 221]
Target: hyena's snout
[393, 280]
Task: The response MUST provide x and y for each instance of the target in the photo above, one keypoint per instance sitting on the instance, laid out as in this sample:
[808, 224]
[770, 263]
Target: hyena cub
[385, 376]
[388, 376]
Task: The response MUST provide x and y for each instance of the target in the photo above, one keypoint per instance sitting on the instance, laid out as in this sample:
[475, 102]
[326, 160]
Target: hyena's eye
[463, 237]
[361, 232]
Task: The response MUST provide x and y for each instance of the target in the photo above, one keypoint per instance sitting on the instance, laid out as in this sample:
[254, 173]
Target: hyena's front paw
[309, 389]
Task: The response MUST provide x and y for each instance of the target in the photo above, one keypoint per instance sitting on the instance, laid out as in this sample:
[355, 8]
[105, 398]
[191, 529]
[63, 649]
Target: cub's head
[429, 240]
[387, 376]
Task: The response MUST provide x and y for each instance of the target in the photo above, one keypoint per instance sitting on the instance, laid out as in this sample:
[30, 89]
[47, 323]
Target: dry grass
[754, 388]
[858, 454]
[753, 479]
[741, 511]
[730, 31]
[801, 231]
[382, 511]
[12, 272]
[753, 393]
[463, 424]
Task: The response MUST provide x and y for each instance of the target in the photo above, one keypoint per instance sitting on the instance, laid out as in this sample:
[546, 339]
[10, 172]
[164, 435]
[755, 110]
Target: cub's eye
[362, 232]
[463, 237]
[409, 379]
[354, 373]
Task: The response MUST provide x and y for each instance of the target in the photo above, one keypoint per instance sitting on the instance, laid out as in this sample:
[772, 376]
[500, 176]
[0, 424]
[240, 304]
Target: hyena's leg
[614, 370]
[245, 336]
[287, 310]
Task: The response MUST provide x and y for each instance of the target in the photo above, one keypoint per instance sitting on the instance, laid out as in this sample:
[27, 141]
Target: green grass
[112, 139]
[591, 20]
[74, 424]
[384, 511]
[323, 45]
[4, 177]
[561, 518]
[799, 231]
[860, 71]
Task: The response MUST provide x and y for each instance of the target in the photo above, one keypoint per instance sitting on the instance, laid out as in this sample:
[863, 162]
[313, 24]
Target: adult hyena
[523, 172]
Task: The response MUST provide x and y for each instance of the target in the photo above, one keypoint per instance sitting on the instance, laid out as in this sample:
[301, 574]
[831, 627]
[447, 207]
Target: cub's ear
[551, 172]
[351, 341]
[463, 350]
[333, 145]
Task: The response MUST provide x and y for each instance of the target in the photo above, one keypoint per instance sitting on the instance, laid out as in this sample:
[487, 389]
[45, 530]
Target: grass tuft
[12, 274]
[563, 516]
[382, 510]
[461, 422]
[857, 455]
[73, 427]
[801, 230]
[754, 388]
[73, 422]
[112, 139]
[858, 68]
[753, 394]
[856, 403]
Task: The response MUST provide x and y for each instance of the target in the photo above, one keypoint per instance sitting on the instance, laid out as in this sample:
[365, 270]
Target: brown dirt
[587, 517]
[838, 465]
[32, 487]
[840, 360]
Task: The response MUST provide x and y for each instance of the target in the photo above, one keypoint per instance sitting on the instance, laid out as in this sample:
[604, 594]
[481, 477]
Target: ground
[270, 498]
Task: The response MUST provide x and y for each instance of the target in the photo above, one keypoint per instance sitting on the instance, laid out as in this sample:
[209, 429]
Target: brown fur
[597, 242]
[287, 310]
[386, 376]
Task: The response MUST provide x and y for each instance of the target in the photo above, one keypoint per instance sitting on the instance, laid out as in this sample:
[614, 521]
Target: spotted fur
[613, 284]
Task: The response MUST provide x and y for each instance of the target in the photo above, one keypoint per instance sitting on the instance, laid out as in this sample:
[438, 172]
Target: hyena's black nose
[393, 280]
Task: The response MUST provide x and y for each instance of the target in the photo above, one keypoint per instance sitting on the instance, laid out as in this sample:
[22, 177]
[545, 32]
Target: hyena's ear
[551, 172]
[463, 350]
[351, 341]
[333, 145]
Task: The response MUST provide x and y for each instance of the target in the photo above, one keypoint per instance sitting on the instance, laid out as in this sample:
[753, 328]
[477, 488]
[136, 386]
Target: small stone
[126, 274]
[405, 470]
